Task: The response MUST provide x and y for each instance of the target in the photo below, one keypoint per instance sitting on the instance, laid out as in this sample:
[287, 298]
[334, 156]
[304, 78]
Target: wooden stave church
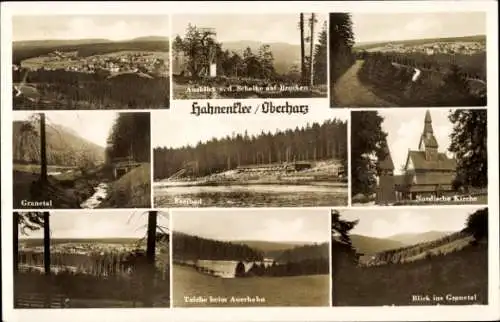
[427, 171]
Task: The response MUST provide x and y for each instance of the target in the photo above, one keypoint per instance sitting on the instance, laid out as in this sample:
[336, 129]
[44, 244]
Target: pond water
[222, 268]
[270, 195]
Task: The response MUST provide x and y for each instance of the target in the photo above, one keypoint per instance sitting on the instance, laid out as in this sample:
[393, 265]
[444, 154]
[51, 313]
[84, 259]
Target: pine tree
[341, 248]
[320, 58]
[341, 43]
[367, 146]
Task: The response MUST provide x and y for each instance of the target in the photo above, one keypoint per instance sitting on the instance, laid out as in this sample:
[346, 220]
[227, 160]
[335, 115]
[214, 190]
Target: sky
[370, 27]
[266, 28]
[171, 130]
[117, 27]
[278, 225]
[405, 126]
[98, 224]
[380, 223]
[93, 126]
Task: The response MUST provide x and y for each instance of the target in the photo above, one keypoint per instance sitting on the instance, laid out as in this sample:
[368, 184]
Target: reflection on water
[251, 196]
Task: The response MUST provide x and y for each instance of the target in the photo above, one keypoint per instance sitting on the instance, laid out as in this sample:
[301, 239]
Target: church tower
[428, 142]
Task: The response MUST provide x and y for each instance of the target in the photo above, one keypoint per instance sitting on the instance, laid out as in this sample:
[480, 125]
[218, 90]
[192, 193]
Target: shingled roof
[442, 162]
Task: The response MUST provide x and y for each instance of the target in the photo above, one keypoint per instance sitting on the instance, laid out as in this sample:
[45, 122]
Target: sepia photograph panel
[419, 156]
[72, 160]
[251, 258]
[395, 256]
[292, 162]
[118, 259]
[249, 56]
[90, 62]
[408, 59]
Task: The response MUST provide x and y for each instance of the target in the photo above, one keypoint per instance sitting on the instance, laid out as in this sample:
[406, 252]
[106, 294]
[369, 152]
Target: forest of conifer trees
[313, 142]
[194, 247]
[130, 136]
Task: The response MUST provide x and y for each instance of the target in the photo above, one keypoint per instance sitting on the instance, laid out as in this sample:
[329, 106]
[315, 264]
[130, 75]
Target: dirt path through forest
[350, 92]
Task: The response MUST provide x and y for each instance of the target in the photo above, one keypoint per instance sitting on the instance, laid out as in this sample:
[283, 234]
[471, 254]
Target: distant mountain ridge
[58, 241]
[417, 238]
[268, 246]
[372, 245]
[73, 42]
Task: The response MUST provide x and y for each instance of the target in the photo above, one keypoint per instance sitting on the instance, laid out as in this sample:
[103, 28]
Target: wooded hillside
[193, 247]
[64, 146]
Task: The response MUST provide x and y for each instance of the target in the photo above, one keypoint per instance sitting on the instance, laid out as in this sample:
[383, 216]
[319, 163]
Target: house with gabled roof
[427, 171]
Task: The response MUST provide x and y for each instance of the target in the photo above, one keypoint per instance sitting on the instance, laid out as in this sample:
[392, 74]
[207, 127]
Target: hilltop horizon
[92, 39]
[365, 43]
[252, 241]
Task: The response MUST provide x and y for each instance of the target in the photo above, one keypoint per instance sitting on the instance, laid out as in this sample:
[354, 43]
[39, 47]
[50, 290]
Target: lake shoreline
[324, 183]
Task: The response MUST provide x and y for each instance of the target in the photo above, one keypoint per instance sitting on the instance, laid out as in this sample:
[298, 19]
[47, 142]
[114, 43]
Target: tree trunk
[43, 150]
[15, 234]
[302, 50]
[150, 259]
[46, 258]
[46, 242]
[311, 57]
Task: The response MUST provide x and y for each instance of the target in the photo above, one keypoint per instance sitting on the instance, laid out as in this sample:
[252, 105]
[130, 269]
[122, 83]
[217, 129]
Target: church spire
[427, 139]
[428, 123]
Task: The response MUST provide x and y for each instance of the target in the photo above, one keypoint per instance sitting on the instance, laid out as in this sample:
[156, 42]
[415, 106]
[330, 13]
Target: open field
[276, 291]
